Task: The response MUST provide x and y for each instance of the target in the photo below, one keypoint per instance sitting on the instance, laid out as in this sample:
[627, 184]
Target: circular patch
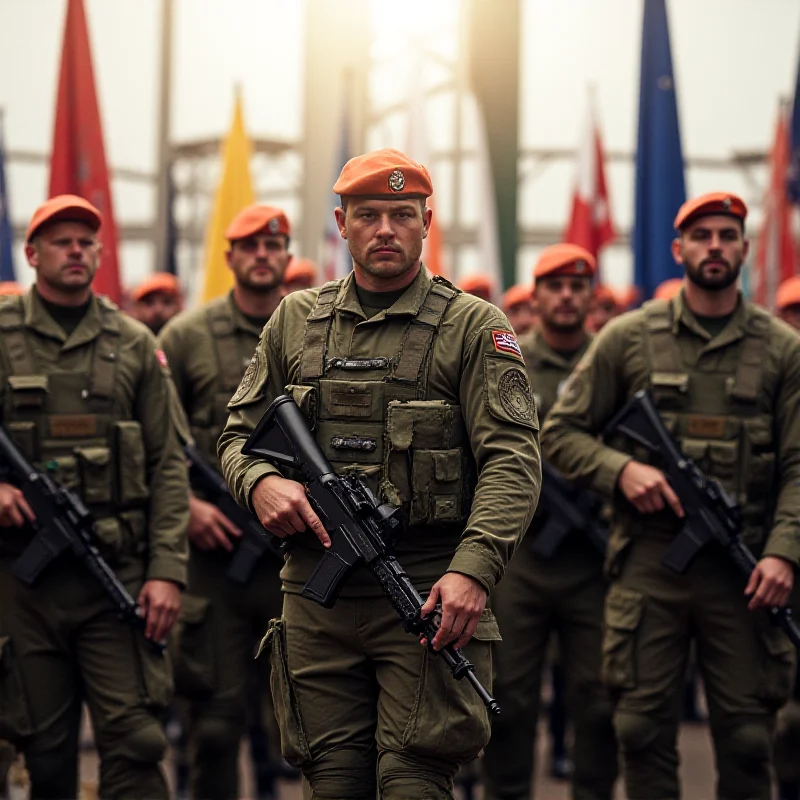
[273, 225]
[248, 379]
[515, 395]
[397, 181]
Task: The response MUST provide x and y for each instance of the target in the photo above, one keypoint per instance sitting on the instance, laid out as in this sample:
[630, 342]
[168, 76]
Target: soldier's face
[65, 256]
[259, 261]
[712, 250]
[521, 316]
[384, 236]
[563, 302]
[156, 309]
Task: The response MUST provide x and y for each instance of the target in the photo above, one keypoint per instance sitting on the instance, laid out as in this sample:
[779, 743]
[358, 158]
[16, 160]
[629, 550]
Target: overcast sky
[733, 60]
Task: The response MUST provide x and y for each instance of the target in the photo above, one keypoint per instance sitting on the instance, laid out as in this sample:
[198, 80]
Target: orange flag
[78, 162]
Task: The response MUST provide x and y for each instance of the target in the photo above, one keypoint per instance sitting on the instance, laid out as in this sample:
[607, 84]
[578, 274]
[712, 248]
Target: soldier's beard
[713, 283]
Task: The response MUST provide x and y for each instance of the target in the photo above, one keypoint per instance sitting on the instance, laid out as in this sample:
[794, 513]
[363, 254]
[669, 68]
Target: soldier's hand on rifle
[462, 600]
[161, 603]
[770, 584]
[14, 508]
[208, 527]
[647, 488]
[282, 508]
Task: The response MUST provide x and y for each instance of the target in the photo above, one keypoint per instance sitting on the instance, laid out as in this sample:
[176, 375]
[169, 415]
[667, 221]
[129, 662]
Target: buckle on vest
[357, 363]
[365, 444]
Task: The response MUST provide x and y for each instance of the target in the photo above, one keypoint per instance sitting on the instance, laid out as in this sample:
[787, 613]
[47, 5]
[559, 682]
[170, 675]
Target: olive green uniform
[208, 350]
[428, 402]
[89, 408]
[539, 597]
[787, 739]
[733, 403]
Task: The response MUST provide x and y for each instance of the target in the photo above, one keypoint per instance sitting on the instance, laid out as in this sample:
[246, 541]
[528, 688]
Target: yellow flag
[235, 191]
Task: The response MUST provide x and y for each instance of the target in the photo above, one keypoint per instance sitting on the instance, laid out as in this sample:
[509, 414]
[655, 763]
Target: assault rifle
[255, 541]
[712, 515]
[566, 509]
[63, 523]
[362, 531]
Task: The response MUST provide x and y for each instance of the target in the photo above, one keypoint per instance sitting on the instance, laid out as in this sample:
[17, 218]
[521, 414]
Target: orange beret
[254, 218]
[8, 288]
[788, 293]
[159, 282]
[668, 289]
[602, 294]
[626, 296]
[384, 173]
[64, 207]
[711, 203]
[300, 268]
[564, 259]
[519, 293]
[472, 284]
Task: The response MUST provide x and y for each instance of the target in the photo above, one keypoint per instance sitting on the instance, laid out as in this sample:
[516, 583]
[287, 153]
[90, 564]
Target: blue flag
[6, 242]
[660, 187]
[793, 178]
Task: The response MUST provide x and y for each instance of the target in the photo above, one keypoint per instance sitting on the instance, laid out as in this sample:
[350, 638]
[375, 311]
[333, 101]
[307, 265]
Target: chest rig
[232, 351]
[372, 416]
[70, 423]
[716, 410]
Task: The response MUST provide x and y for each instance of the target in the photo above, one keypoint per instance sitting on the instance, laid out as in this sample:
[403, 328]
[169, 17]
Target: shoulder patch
[162, 358]
[248, 384]
[508, 392]
[506, 342]
[516, 396]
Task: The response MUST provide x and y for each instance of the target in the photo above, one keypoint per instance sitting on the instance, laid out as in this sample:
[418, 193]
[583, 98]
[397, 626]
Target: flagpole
[163, 150]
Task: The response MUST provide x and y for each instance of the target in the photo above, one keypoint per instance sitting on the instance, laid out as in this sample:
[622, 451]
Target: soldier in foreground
[560, 593]
[377, 362]
[208, 350]
[725, 378]
[83, 397]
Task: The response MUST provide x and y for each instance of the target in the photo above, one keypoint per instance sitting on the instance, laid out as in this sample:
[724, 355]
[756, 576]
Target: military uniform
[539, 597]
[208, 350]
[733, 403]
[419, 400]
[89, 409]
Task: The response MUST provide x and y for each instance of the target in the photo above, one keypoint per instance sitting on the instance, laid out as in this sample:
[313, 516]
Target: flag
[78, 161]
[775, 250]
[235, 192]
[336, 261]
[793, 177]
[590, 224]
[660, 187]
[6, 240]
[418, 149]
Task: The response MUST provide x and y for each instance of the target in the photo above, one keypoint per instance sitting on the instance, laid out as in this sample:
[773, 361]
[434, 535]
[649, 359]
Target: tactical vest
[372, 416]
[206, 423]
[718, 416]
[69, 425]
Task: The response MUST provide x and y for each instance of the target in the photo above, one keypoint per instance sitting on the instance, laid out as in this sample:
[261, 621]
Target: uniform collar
[409, 303]
[237, 317]
[735, 329]
[38, 319]
[538, 348]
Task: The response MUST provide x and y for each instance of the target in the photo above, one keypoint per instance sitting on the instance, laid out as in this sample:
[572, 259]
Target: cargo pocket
[25, 436]
[28, 391]
[294, 742]
[132, 475]
[437, 484]
[778, 667]
[195, 663]
[63, 470]
[110, 539]
[155, 673]
[623, 613]
[93, 466]
[15, 716]
[448, 718]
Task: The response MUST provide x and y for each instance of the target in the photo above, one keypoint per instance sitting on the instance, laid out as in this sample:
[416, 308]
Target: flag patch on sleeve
[162, 358]
[506, 342]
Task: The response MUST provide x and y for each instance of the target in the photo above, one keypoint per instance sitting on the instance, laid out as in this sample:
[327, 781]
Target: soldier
[83, 395]
[479, 285]
[377, 361]
[518, 307]
[156, 300]
[208, 350]
[560, 595]
[300, 274]
[603, 309]
[787, 302]
[725, 376]
[668, 289]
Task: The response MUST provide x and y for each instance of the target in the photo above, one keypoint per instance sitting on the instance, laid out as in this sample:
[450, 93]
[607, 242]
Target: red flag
[590, 224]
[78, 163]
[775, 251]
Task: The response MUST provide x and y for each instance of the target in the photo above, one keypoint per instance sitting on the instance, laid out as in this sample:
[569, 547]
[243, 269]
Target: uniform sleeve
[262, 381]
[784, 538]
[500, 415]
[166, 471]
[172, 341]
[590, 398]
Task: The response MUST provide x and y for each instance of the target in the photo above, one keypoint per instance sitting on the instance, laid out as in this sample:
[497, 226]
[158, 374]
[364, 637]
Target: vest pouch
[63, 470]
[437, 486]
[723, 459]
[133, 532]
[95, 475]
[110, 539]
[27, 391]
[25, 436]
[350, 399]
[670, 390]
[131, 473]
[759, 469]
